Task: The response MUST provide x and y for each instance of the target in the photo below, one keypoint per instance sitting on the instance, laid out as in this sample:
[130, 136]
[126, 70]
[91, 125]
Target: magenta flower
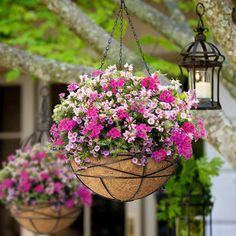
[24, 186]
[85, 195]
[188, 127]
[166, 96]
[142, 130]
[39, 189]
[183, 143]
[92, 113]
[122, 114]
[72, 87]
[150, 83]
[7, 183]
[66, 124]
[159, 155]
[114, 133]
[120, 83]
[69, 203]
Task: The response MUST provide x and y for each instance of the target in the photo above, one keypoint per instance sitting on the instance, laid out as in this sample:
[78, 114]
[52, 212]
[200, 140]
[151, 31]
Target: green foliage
[30, 25]
[12, 75]
[194, 177]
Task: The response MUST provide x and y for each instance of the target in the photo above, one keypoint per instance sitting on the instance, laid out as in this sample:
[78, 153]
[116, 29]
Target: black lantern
[202, 63]
[196, 214]
[197, 210]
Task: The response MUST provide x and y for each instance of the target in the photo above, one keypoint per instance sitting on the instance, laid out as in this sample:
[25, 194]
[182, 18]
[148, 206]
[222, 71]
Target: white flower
[96, 148]
[183, 115]
[109, 93]
[151, 121]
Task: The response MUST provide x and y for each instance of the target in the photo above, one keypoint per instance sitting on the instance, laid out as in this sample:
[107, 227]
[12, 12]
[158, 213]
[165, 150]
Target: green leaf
[12, 75]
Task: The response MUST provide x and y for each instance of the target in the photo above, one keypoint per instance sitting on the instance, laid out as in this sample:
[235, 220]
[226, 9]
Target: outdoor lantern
[197, 215]
[202, 63]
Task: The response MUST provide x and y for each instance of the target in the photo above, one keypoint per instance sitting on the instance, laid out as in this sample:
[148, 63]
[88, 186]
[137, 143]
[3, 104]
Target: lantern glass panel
[200, 79]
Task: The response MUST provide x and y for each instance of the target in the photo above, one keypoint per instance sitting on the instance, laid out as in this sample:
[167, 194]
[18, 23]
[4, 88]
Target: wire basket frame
[122, 180]
[43, 218]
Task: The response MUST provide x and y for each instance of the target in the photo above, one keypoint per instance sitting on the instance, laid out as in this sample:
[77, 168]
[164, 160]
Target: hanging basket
[43, 219]
[122, 180]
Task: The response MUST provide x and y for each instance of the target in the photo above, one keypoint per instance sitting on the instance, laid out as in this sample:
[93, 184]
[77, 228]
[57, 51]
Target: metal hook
[200, 9]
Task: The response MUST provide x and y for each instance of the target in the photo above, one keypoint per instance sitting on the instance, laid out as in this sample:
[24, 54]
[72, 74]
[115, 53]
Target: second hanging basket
[43, 219]
[121, 180]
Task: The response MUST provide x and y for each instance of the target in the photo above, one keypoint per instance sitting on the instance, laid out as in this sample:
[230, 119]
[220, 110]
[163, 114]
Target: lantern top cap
[200, 51]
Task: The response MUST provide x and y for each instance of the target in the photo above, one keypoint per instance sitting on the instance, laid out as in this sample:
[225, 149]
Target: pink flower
[62, 95]
[85, 195]
[11, 157]
[114, 133]
[122, 114]
[7, 183]
[72, 87]
[69, 203]
[66, 124]
[201, 127]
[58, 187]
[44, 175]
[159, 155]
[56, 139]
[142, 130]
[166, 96]
[97, 73]
[40, 155]
[61, 156]
[39, 189]
[150, 82]
[24, 175]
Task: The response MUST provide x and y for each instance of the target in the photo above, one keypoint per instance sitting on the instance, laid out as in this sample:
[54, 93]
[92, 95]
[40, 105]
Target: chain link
[120, 15]
[121, 34]
[136, 39]
[110, 39]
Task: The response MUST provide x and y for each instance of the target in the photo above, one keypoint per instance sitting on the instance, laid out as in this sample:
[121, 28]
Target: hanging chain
[136, 39]
[110, 40]
[121, 34]
[123, 7]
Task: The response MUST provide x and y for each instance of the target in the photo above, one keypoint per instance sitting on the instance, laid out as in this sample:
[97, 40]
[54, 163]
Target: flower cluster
[115, 111]
[36, 175]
